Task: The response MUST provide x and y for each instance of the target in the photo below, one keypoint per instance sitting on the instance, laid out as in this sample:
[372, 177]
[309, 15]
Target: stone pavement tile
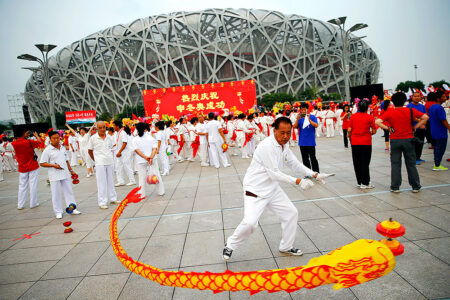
[100, 287]
[172, 225]
[294, 193]
[186, 192]
[316, 192]
[326, 234]
[323, 292]
[439, 247]
[45, 240]
[17, 256]
[203, 248]
[13, 290]
[416, 229]
[24, 272]
[25, 223]
[76, 226]
[232, 218]
[207, 203]
[342, 188]
[110, 264]
[78, 261]
[208, 190]
[433, 215]
[390, 286]
[17, 232]
[101, 232]
[57, 288]
[98, 215]
[7, 243]
[272, 233]
[370, 204]
[432, 197]
[361, 226]
[232, 200]
[337, 207]
[255, 247]
[163, 251]
[138, 287]
[445, 206]
[138, 228]
[401, 200]
[179, 205]
[423, 271]
[152, 208]
[193, 294]
[205, 222]
[254, 265]
[309, 211]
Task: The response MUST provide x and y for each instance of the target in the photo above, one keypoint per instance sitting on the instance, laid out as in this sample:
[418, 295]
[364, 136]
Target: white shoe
[19, 208]
[227, 165]
[180, 160]
[365, 187]
[103, 206]
[34, 206]
[131, 183]
[76, 212]
[119, 184]
[204, 165]
[88, 175]
[234, 154]
[115, 202]
[59, 215]
[191, 159]
[245, 157]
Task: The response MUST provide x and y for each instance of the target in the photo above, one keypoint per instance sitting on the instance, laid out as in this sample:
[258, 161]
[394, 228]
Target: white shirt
[161, 136]
[83, 140]
[122, 137]
[59, 156]
[73, 142]
[201, 128]
[102, 149]
[214, 136]
[144, 144]
[264, 174]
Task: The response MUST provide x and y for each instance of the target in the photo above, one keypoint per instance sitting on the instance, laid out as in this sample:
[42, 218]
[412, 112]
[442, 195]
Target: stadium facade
[282, 53]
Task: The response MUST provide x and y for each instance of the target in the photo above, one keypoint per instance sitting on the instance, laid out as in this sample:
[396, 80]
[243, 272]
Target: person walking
[345, 117]
[439, 130]
[307, 124]
[419, 133]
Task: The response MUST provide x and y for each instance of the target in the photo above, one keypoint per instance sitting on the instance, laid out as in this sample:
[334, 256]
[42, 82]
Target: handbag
[35, 157]
[415, 139]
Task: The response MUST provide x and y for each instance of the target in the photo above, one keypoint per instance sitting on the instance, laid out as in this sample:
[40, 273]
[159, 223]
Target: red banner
[76, 117]
[203, 98]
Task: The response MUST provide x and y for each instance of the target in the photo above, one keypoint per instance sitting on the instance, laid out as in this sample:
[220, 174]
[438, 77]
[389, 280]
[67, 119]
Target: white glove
[321, 177]
[306, 184]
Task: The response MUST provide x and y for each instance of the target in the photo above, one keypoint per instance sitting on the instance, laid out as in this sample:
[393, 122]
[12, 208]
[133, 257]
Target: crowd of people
[115, 153]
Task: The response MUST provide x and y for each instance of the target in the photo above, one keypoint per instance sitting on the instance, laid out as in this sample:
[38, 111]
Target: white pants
[216, 152]
[203, 153]
[319, 128]
[105, 184]
[144, 169]
[339, 126]
[86, 158]
[240, 140]
[66, 187]
[164, 161]
[9, 162]
[187, 152]
[330, 127]
[280, 205]
[1, 169]
[124, 166]
[251, 146]
[28, 179]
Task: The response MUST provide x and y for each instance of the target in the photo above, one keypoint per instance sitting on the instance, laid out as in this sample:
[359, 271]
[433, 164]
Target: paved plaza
[186, 230]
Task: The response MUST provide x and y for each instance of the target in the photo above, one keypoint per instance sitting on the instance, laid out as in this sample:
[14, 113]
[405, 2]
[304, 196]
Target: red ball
[152, 179]
[67, 224]
[75, 181]
[68, 230]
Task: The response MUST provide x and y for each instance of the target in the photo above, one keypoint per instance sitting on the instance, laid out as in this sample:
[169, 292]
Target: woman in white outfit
[83, 139]
[162, 148]
[146, 147]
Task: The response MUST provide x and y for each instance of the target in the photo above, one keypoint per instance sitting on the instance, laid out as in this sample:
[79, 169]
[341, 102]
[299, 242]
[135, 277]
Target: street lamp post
[345, 36]
[45, 49]
[415, 71]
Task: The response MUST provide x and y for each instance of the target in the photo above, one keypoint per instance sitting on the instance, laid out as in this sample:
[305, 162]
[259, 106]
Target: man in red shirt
[28, 167]
[401, 136]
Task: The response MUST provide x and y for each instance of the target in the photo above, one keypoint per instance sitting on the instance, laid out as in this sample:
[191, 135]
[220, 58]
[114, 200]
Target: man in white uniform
[161, 139]
[99, 148]
[337, 116]
[73, 147]
[201, 131]
[262, 189]
[123, 165]
[216, 139]
[329, 116]
[55, 158]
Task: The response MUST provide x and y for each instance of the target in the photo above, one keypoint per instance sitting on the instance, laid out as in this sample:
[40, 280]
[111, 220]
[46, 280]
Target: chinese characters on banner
[76, 117]
[203, 98]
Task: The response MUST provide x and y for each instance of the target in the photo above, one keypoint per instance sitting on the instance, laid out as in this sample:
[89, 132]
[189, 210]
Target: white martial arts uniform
[215, 145]
[338, 125]
[185, 132]
[60, 180]
[104, 166]
[8, 157]
[320, 114]
[73, 147]
[329, 115]
[162, 155]
[241, 130]
[262, 179]
[171, 134]
[83, 141]
[146, 144]
[123, 162]
[203, 149]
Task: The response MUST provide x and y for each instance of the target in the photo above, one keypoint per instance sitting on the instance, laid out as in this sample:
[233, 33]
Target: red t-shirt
[361, 123]
[400, 119]
[346, 121]
[428, 105]
[25, 154]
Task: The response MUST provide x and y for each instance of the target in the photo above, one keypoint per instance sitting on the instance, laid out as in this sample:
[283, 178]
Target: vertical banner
[77, 117]
[202, 98]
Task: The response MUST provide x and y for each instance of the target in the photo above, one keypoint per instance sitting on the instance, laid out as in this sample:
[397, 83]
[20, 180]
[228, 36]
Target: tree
[128, 112]
[405, 86]
[105, 116]
[60, 120]
[269, 100]
[309, 93]
[3, 128]
[439, 84]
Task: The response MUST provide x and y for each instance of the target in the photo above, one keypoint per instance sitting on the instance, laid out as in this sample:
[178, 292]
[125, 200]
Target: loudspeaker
[26, 114]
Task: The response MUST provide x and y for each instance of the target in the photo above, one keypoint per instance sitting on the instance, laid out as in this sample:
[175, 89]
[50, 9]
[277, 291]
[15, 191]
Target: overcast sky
[401, 32]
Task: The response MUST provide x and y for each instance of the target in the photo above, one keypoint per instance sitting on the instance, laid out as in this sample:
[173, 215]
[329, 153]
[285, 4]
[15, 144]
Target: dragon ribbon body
[352, 264]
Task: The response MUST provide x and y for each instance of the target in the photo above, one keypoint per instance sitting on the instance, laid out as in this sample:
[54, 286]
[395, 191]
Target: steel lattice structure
[282, 53]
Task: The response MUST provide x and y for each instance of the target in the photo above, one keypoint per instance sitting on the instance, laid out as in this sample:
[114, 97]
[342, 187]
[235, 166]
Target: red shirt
[428, 105]
[25, 154]
[400, 120]
[361, 123]
[346, 121]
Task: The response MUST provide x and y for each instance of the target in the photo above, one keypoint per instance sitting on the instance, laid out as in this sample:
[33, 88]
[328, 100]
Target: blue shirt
[419, 107]
[437, 115]
[307, 136]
